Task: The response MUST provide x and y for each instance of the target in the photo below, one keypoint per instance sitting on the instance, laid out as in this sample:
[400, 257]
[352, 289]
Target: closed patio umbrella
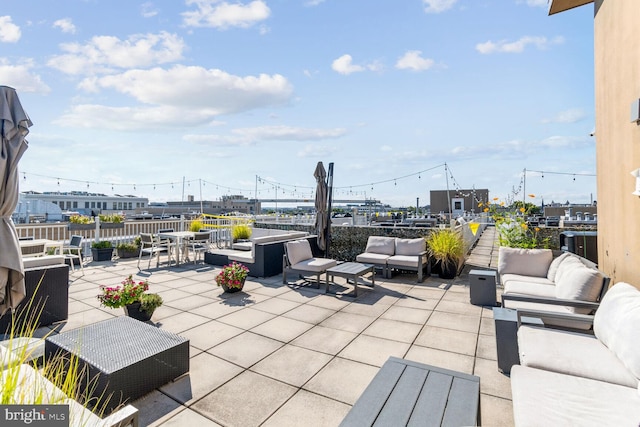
[14, 127]
[321, 205]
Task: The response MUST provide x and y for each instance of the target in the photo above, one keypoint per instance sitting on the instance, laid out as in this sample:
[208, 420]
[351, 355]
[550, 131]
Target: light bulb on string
[24, 175]
[58, 182]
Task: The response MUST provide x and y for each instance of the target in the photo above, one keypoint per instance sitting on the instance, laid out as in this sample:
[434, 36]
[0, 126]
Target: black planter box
[102, 254]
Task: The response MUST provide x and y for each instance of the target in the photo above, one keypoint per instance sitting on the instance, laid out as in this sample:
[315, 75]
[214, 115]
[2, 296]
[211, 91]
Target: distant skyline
[137, 97]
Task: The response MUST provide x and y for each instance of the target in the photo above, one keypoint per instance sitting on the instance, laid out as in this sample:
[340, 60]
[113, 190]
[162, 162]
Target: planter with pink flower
[132, 296]
[232, 277]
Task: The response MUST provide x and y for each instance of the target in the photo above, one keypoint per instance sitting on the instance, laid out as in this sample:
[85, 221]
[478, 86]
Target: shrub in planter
[447, 249]
[128, 250]
[240, 232]
[102, 251]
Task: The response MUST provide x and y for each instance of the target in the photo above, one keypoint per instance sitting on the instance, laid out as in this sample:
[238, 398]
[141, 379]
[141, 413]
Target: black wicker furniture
[125, 358]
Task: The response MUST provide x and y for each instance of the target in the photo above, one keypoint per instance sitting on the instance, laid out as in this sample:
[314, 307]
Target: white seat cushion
[530, 288]
[372, 258]
[543, 398]
[617, 324]
[507, 278]
[43, 261]
[406, 260]
[410, 246]
[381, 245]
[571, 353]
[298, 250]
[315, 265]
[528, 262]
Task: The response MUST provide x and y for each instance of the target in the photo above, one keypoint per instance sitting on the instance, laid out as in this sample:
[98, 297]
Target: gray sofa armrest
[541, 314]
[549, 301]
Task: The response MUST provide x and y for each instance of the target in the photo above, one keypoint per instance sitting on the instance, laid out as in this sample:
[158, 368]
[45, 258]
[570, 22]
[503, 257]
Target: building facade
[458, 202]
[87, 203]
[617, 105]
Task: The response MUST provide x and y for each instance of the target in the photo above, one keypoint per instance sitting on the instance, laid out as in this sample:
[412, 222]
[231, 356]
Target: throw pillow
[526, 262]
[298, 251]
[579, 283]
[553, 268]
[410, 246]
[381, 245]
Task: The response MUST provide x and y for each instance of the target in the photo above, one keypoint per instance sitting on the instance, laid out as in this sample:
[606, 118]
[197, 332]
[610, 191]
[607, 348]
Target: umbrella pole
[329, 200]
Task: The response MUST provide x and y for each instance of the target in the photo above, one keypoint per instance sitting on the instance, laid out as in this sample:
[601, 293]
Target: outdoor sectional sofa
[391, 253]
[570, 378]
[533, 279]
[262, 255]
[47, 285]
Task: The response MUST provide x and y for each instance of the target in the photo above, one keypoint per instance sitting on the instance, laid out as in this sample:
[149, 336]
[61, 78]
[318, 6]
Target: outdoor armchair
[298, 257]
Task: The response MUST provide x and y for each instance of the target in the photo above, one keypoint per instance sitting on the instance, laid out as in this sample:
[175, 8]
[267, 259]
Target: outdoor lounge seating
[151, 245]
[533, 280]
[73, 251]
[570, 378]
[391, 253]
[299, 258]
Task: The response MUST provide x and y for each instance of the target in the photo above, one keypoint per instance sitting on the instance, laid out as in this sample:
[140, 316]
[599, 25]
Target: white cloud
[246, 136]
[520, 149]
[9, 32]
[177, 97]
[572, 115]
[538, 3]
[517, 46]
[104, 53]
[344, 65]
[317, 151]
[20, 77]
[148, 10]
[66, 25]
[312, 3]
[412, 60]
[222, 15]
[437, 6]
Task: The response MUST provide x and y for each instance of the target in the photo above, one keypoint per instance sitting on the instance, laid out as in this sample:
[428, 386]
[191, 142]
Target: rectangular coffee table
[125, 358]
[351, 270]
[407, 393]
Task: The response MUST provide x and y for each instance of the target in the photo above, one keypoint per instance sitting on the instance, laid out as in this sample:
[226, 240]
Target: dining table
[179, 238]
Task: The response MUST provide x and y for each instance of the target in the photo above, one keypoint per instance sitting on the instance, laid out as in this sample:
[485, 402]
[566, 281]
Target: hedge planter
[128, 254]
[111, 225]
[78, 227]
[102, 254]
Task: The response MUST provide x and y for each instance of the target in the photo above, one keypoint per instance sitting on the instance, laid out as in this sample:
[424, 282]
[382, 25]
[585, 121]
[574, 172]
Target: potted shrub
[240, 232]
[129, 250]
[81, 222]
[102, 251]
[232, 277]
[196, 225]
[446, 247]
[132, 296]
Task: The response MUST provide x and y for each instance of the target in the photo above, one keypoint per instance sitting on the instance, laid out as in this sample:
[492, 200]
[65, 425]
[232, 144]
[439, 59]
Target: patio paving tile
[405, 314]
[343, 380]
[329, 301]
[155, 408]
[245, 349]
[246, 318]
[189, 418]
[492, 381]
[348, 322]
[487, 326]
[189, 303]
[448, 340]
[373, 350]
[487, 347]
[365, 309]
[458, 307]
[181, 322]
[282, 329]
[459, 322]
[245, 401]
[496, 411]
[326, 340]
[216, 308]
[309, 313]
[393, 330]
[210, 334]
[315, 410]
[441, 358]
[206, 373]
[292, 365]
[276, 306]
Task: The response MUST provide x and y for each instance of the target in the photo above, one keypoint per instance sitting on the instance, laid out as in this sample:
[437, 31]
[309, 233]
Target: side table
[482, 287]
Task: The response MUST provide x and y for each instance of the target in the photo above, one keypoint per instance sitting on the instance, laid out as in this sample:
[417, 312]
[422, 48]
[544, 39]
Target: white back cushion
[381, 245]
[298, 251]
[579, 282]
[410, 246]
[527, 262]
[553, 268]
[617, 324]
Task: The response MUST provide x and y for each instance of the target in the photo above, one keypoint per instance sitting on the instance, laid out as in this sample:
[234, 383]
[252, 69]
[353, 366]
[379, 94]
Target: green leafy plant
[240, 232]
[115, 218]
[103, 244]
[232, 275]
[445, 246]
[511, 224]
[127, 247]
[80, 219]
[149, 302]
[119, 296]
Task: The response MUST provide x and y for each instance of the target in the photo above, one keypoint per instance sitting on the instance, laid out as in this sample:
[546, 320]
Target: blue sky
[134, 97]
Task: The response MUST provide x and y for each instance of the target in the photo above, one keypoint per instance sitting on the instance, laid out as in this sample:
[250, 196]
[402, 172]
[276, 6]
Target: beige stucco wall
[617, 84]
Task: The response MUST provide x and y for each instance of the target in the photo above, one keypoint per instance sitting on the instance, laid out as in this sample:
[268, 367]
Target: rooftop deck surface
[278, 355]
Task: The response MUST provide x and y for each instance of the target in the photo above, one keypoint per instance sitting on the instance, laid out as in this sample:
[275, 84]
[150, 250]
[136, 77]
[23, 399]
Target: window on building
[54, 202]
[86, 205]
[130, 205]
[115, 206]
[93, 205]
[75, 205]
[104, 205]
[120, 205]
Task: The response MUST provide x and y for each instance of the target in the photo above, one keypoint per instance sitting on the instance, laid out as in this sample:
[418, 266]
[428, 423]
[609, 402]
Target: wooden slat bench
[408, 393]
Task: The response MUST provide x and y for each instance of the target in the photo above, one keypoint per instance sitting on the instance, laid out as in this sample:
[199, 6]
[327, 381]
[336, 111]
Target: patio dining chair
[151, 245]
[73, 251]
[199, 244]
[298, 257]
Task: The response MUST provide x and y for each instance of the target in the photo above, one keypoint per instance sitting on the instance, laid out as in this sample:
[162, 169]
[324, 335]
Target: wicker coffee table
[125, 357]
